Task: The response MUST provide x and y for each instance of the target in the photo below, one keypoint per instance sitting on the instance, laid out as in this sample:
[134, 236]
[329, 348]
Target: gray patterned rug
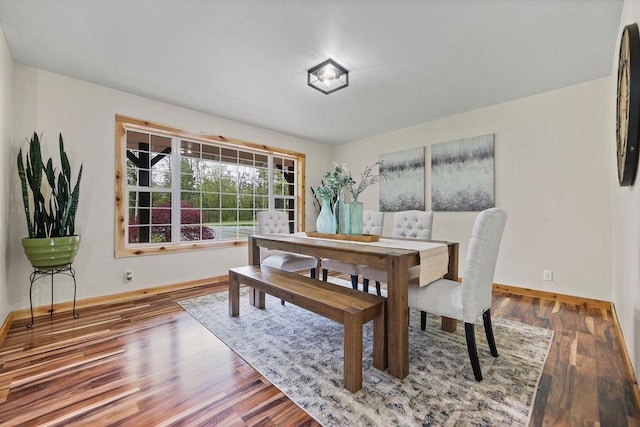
[301, 353]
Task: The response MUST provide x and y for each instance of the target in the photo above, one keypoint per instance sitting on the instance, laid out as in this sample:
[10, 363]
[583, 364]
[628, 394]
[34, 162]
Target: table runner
[434, 257]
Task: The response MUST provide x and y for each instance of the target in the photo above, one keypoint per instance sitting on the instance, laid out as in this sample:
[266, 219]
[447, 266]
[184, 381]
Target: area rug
[301, 353]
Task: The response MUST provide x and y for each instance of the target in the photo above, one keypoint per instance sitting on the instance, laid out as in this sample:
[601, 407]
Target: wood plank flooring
[147, 362]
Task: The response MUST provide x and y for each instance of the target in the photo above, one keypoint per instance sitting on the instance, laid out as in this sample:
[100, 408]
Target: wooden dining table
[395, 260]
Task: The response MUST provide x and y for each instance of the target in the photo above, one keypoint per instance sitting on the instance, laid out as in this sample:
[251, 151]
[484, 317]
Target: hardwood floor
[585, 380]
[147, 362]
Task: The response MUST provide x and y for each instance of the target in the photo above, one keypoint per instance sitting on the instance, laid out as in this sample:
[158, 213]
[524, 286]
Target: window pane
[134, 234]
[229, 155]
[245, 158]
[210, 200]
[229, 201]
[190, 199]
[190, 233]
[160, 144]
[229, 217]
[160, 234]
[246, 202]
[161, 216]
[211, 183]
[210, 152]
[161, 179]
[245, 216]
[161, 199]
[135, 139]
[261, 203]
[211, 216]
[189, 215]
[262, 161]
[189, 149]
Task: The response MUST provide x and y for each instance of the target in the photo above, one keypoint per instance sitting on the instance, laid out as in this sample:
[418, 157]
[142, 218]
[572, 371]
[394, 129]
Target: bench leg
[353, 349]
[234, 295]
[380, 360]
[256, 298]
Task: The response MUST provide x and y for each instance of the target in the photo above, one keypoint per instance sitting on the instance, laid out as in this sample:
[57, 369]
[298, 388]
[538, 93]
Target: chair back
[482, 255]
[413, 224]
[272, 222]
[372, 222]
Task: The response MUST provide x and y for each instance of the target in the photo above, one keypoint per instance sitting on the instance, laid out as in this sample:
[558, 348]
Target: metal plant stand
[38, 274]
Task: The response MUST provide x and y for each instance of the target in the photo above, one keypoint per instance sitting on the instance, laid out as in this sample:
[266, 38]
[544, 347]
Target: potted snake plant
[50, 205]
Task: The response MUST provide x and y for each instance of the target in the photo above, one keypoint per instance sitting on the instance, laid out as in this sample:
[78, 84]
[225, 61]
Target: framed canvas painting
[462, 176]
[403, 188]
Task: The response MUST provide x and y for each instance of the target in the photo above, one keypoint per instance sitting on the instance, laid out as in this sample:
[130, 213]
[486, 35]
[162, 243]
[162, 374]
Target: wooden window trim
[124, 122]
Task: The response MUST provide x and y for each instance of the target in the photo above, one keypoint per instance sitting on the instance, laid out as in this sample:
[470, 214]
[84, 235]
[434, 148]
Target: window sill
[186, 247]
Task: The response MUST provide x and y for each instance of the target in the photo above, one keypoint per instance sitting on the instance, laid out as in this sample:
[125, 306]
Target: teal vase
[354, 218]
[326, 222]
[340, 212]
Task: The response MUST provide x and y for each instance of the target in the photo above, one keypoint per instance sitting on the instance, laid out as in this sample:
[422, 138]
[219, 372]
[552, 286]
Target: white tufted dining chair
[277, 222]
[471, 299]
[372, 224]
[407, 224]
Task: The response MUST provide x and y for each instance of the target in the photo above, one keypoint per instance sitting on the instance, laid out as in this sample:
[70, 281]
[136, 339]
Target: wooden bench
[347, 306]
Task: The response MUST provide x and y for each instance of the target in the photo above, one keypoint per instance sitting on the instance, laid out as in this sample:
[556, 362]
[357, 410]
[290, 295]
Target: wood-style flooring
[148, 362]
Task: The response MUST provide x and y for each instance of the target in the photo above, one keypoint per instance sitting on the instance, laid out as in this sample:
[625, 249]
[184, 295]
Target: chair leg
[354, 282]
[378, 288]
[365, 284]
[325, 273]
[488, 330]
[423, 320]
[313, 273]
[470, 333]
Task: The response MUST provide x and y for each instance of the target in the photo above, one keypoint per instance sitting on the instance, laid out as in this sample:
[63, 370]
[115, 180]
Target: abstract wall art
[403, 188]
[462, 176]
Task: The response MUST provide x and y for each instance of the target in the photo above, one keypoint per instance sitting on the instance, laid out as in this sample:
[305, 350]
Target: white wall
[85, 114]
[551, 177]
[6, 101]
[626, 231]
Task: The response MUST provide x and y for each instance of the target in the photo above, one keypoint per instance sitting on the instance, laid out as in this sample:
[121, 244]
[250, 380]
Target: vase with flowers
[326, 221]
[338, 179]
[354, 209]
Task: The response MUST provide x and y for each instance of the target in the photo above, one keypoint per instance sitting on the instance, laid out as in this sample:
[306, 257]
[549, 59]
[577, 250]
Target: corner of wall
[6, 134]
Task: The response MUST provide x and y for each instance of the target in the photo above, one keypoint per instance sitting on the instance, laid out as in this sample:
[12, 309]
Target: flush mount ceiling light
[328, 77]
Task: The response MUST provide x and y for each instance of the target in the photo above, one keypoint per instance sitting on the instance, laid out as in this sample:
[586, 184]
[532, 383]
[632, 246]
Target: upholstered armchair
[372, 224]
[407, 224]
[471, 299]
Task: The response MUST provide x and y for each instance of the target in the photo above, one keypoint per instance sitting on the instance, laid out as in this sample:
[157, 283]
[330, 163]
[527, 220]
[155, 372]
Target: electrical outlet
[128, 276]
[547, 275]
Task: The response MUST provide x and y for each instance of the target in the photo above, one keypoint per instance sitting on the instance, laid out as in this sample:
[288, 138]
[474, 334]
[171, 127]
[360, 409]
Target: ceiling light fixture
[328, 77]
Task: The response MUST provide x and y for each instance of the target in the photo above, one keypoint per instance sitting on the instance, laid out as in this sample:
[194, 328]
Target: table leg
[234, 295]
[398, 315]
[448, 324]
[254, 259]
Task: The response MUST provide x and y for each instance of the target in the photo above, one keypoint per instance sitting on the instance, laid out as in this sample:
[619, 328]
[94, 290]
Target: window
[178, 190]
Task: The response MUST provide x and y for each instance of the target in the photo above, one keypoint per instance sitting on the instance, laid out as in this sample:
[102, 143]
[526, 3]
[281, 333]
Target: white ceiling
[411, 61]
